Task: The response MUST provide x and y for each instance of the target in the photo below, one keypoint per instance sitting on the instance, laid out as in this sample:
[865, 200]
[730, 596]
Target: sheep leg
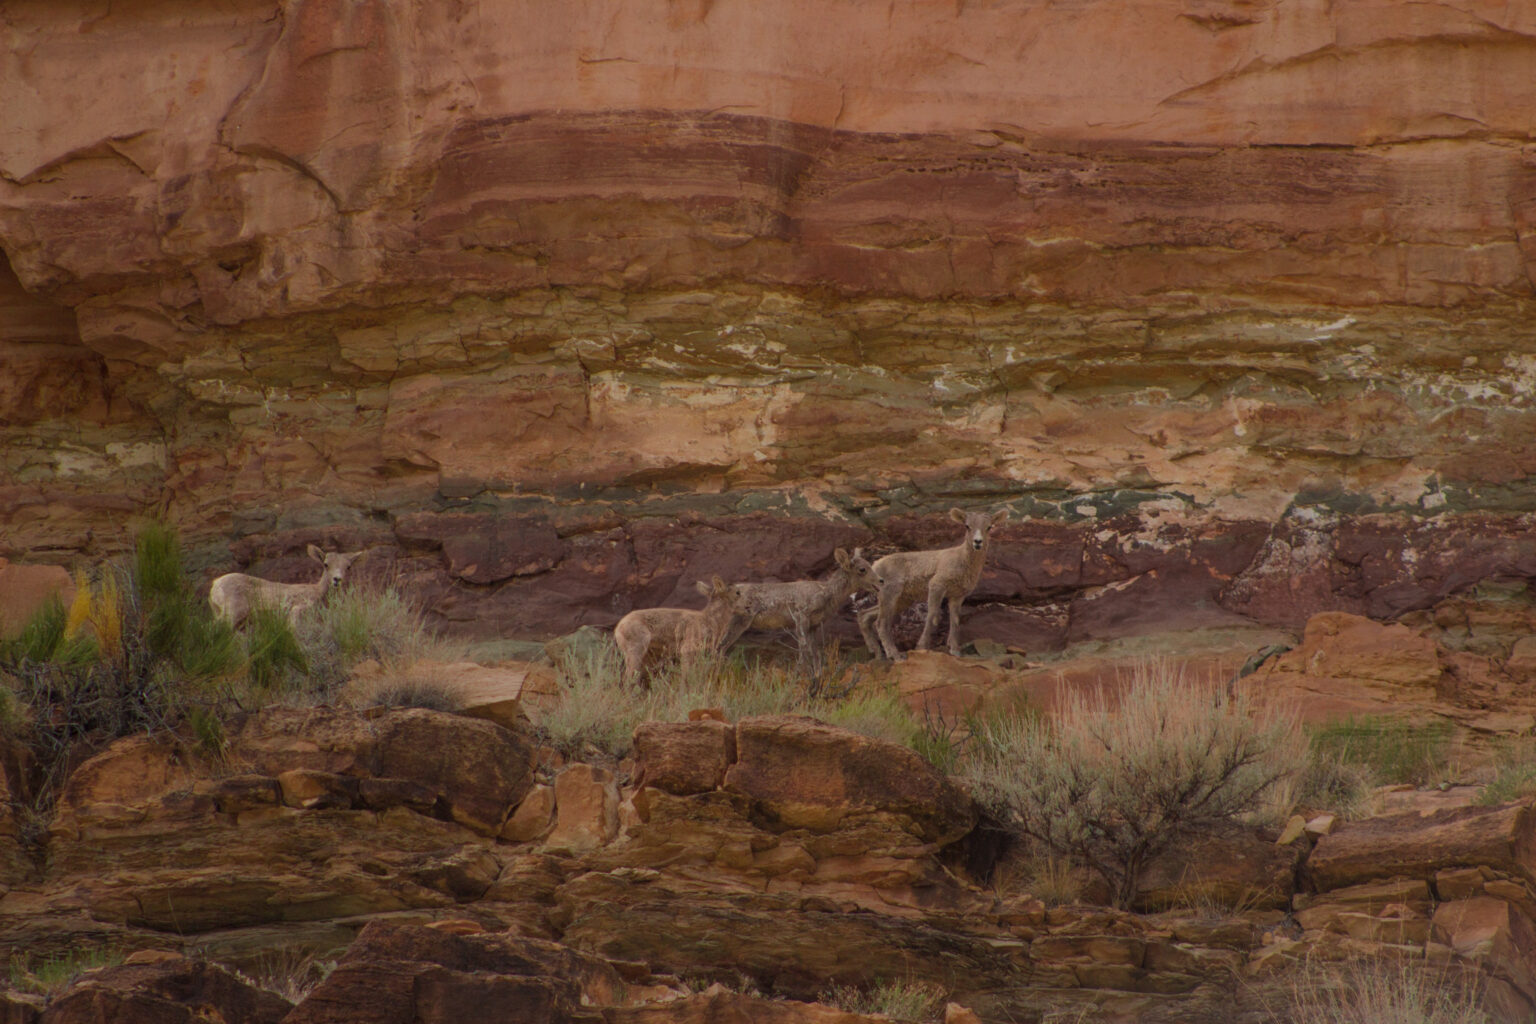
[866, 620]
[931, 620]
[954, 624]
[633, 645]
[890, 607]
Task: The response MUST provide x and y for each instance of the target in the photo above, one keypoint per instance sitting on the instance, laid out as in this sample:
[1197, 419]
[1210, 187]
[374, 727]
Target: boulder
[1500, 838]
[165, 990]
[396, 972]
[586, 809]
[1493, 932]
[684, 757]
[1235, 870]
[804, 774]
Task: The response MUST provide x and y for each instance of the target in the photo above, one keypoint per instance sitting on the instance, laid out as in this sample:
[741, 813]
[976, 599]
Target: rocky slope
[448, 865]
[1229, 301]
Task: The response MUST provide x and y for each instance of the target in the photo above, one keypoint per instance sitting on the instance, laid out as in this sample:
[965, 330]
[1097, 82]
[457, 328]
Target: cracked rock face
[1237, 323]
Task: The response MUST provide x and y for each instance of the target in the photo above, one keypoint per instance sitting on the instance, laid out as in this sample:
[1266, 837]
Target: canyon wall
[564, 306]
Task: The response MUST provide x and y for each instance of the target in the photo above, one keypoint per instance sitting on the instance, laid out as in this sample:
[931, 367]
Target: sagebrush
[1113, 785]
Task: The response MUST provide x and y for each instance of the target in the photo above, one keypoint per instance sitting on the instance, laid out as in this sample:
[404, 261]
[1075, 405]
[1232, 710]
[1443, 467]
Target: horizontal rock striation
[441, 274]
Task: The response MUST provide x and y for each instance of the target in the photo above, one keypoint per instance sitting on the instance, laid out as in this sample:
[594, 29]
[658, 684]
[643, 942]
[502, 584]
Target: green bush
[275, 660]
[1113, 786]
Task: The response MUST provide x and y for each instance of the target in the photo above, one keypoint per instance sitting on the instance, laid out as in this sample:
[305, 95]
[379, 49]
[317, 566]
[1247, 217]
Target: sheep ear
[358, 556]
[1000, 517]
[858, 552]
[840, 556]
[317, 554]
[703, 588]
[717, 586]
[957, 515]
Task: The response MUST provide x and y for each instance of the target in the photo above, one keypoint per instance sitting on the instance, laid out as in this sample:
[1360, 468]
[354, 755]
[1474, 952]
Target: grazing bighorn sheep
[802, 604]
[936, 575]
[647, 635]
[234, 594]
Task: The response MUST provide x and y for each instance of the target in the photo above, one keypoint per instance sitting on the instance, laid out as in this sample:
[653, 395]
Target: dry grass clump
[1113, 786]
[908, 1001]
[1386, 991]
[596, 712]
[1514, 773]
[292, 974]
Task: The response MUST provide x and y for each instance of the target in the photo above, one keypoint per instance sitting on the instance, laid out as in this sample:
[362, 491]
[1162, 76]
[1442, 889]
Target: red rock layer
[1250, 268]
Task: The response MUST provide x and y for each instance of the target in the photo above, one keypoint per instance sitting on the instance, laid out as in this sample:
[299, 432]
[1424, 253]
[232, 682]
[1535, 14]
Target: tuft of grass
[1386, 992]
[289, 973]
[1056, 881]
[881, 716]
[1331, 781]
[49, 975]
[1514, 773]
[1393, 750]
[914, 1002]
[414, 687]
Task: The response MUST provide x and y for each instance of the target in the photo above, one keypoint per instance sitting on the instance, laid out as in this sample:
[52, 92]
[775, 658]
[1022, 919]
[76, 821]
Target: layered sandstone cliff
[567, 305]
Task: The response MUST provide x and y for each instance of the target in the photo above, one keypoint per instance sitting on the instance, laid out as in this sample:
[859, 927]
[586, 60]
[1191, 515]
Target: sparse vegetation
[1112, 787]
[1514, 773]
[49, 975]
[1386, 992]
[133, 653]
[1331, 781]
[364, 622]
[597, 712]
[290, 974]
[911, 1001]
[1393, 750]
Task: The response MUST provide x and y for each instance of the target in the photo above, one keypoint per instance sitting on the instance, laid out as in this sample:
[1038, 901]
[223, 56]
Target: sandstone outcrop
[773, 854]
[571, 318]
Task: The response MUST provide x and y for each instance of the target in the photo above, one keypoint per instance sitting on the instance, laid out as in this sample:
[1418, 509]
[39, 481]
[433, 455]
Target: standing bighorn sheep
[937, 575]
[234, 594]
[802, 604]
[647, 635]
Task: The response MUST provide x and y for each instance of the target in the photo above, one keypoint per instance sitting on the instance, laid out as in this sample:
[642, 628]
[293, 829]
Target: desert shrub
[1394, 750]
[910, 1001]
[595, 709]
[1389, 991]
[133, 653]
[1112, 787]
[362, 622]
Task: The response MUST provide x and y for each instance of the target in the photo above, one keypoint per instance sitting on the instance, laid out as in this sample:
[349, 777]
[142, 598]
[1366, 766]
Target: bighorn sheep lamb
[648, 635]
[946, 573]
[802, 604]
[234, 594]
